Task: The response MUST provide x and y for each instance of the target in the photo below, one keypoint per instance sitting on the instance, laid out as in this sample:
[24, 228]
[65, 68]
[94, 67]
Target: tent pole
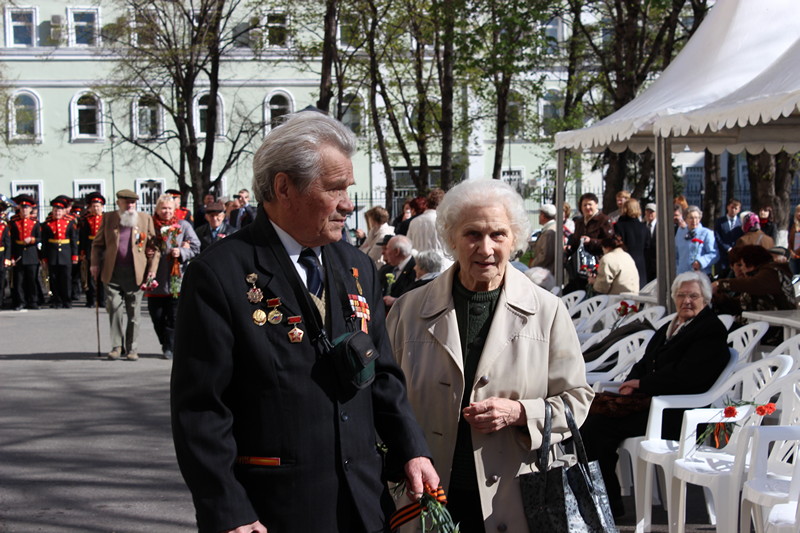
[561, 170]
[665, 229]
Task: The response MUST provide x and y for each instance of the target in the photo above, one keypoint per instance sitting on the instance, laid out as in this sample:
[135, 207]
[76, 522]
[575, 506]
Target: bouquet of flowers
[169, 234]
[150, 284]
[434, 516]
[721, 431]
[390, 279]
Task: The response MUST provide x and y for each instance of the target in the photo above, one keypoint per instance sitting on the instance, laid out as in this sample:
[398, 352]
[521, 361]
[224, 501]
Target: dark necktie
[308, 260]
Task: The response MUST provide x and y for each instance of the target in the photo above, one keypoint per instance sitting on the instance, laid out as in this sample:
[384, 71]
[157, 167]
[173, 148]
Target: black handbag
[573, 498]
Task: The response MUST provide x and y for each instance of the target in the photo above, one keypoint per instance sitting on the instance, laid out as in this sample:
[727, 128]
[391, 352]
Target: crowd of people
[305, 370]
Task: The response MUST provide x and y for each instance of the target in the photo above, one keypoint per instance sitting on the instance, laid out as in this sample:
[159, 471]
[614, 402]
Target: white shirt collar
[294, 248]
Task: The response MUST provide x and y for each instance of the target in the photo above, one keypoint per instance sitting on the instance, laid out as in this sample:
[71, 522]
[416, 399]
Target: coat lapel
[438, 308]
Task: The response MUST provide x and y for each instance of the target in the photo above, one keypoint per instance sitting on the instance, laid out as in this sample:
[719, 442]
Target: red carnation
[730, 411]
[698, 241]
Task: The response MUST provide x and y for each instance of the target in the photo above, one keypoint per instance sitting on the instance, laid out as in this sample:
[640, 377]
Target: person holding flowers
[177, 243]
[685, 356]
[695, 245]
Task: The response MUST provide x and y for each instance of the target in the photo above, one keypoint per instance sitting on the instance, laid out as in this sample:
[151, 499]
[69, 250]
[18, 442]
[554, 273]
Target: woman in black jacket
[635, 235]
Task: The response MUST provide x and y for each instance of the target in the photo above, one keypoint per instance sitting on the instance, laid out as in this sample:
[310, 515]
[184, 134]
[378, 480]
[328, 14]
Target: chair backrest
[650, 287]
[790, 347]
[783, 454]
[604, 319]
[665, 320]
[745, 339]
[594, 339]
[621, 349]
[628, 356]
[651, 314]
[572, 299]
[763, 459]
[587, 308]
[727, 320]
[556, 290]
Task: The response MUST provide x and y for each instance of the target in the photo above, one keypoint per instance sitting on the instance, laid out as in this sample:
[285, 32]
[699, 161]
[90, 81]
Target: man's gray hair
[429, 261]
[693, 276]
[402, 244]
[293, 147]
[459, 202]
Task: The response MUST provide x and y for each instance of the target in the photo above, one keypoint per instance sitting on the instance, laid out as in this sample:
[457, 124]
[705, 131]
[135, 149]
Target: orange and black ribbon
[412, 510]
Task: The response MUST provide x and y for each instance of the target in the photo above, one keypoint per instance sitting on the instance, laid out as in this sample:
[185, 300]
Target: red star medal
[295, 334]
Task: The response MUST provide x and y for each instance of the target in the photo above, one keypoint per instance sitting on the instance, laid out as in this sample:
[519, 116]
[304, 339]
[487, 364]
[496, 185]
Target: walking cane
[97, 311]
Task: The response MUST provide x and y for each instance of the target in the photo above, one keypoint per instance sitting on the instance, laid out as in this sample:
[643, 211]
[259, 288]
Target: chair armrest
[711, 415]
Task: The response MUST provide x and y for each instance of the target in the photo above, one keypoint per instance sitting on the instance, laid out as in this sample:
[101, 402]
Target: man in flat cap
[216, 228]
[544, 249]
[118, 257]
[87, 231]
[60, 252]
[25, 235]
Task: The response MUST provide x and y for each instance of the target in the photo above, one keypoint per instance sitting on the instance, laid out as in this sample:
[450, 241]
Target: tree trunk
[761, 174]
[502, 88]
[782, 209]
[328, 56]
[447, 83]
[712, 200]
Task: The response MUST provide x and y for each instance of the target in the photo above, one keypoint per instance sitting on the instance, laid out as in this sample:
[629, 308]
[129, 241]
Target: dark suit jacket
[636, 237]
[249, 215]
[204, 234]
[240, 389]
[405, 280]
[597, 229]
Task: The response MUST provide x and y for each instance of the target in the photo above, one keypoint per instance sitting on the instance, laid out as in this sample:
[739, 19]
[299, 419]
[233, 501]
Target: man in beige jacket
[118, 257]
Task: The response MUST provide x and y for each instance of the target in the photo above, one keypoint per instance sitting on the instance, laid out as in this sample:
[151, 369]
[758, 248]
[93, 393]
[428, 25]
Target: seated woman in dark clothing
[685, 356]
[766, 285]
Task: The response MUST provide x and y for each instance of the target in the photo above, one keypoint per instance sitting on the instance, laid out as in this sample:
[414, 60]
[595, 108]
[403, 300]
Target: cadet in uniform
[60, 252]
[25, 234]
[181, 213]
[5, 251]
[87, 230]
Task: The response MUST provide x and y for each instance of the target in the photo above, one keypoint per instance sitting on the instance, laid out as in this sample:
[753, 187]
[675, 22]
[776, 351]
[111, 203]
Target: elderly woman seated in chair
[685, 356]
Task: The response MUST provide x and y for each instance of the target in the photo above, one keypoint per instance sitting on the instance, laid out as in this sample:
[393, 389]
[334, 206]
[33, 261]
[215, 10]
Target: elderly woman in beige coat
[483, 349]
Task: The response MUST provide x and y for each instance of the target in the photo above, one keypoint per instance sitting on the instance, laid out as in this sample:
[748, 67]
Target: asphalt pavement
[85, 443]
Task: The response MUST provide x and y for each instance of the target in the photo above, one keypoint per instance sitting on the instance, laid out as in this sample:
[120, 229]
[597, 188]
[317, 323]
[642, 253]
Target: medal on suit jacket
[254, 295]
[360, 309]
[354, 271]
[295, 334]
[259, 317]
[274, 316]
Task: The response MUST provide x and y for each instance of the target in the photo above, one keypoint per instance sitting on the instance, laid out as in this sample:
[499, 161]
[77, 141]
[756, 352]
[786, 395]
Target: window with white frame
[353, 112]
[148, 118]
[86, 113]
[551, 111]
[350, 34]
[84, 26]
[149, 190]
[25, 117]
[277, 27]
[82, 187]
[278, 105]
[145, 27]
[21, 23]
[201, 114]
[553, 35]
[31, 187]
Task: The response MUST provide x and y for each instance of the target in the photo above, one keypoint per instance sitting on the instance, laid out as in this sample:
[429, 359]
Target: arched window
[86, 117]
[353, 112]
[148, 118]
[201, 112]
[277, 106]
[24, 117]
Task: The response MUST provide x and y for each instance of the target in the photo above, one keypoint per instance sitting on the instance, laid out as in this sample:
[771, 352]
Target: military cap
[59, 201]
[24, 199]
[95, 198]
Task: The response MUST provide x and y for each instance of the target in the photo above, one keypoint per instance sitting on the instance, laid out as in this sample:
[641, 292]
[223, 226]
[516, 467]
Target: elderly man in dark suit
[273, 430]
[399, 269]
[215, 227]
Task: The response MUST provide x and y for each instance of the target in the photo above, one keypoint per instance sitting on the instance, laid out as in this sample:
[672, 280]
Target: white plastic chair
[719, 471]
[605, 319]
[652, 314]
[651, 450]
[556, 290]
[790, 347]
[586, 309]
[727, 320]
[745, 339]
[589, 340]
[665, 320]
[572, 299]
[769, 477]
[627, 351]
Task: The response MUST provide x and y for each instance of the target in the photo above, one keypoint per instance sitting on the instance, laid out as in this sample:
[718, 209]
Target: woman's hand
[629, 387]
[175, 252]
[255, 527]
[591, 277]
[494, 414]
[696, 265]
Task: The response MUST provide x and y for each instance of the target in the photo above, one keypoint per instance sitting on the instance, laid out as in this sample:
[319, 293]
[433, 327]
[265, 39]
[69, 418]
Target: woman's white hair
[459, 202]
[689, 277]
[294, 147]
[164, 198]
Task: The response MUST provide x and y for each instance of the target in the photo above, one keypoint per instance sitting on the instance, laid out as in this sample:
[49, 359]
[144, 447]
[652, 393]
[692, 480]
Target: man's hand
[94, 270]
[419, 473]
[255, 527]
[494, 414]
[388, 301]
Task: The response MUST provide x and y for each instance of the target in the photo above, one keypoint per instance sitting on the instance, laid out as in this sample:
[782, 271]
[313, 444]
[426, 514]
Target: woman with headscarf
[753, 234]
[483, 349]
[695, 245]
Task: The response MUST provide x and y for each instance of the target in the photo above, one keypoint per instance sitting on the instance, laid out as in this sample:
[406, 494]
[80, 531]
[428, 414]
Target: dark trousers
[60, 281]
[465, 508]
[76, 286]
[3, 275]
[24, 285]
[94, 289]
[602, 435]
[162, 311]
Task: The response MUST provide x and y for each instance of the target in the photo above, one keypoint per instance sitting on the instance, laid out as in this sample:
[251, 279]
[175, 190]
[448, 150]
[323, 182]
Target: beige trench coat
[531, 354]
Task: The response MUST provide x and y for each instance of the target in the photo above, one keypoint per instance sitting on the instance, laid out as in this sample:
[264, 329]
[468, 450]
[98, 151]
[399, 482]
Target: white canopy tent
[738, 40]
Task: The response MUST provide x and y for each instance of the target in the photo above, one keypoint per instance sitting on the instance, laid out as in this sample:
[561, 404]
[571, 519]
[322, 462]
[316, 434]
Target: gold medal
[259, 317]
[255, 295]
[295, 334]
[274, 316]
[251, 278]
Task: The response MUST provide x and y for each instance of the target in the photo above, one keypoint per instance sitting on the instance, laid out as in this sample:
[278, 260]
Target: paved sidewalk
[85, 443]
